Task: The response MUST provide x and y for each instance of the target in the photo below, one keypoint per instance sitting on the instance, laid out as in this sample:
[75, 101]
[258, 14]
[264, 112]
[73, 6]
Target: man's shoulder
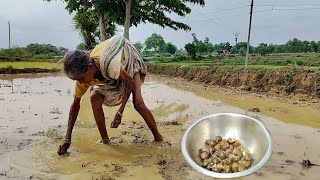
[99, 49]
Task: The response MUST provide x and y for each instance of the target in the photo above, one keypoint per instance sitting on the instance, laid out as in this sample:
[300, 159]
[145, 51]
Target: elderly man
[114, 70]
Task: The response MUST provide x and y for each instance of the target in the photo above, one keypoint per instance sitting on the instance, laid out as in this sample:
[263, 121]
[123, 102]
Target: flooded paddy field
[34, 114]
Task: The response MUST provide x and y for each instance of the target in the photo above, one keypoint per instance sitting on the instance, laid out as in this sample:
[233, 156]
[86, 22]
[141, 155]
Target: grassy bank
[23, 65]
[286, 80]
[28, 67]
[272, 60]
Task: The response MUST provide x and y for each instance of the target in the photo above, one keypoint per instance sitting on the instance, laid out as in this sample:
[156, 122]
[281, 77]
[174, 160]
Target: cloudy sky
[274, 21]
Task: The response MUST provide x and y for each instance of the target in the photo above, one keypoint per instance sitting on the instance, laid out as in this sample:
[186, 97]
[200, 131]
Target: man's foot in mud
[63, 148]
[104, 141]
[158, 138]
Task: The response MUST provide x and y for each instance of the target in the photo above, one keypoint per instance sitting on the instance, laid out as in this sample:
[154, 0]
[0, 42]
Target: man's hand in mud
[63, 147]
[116, 121]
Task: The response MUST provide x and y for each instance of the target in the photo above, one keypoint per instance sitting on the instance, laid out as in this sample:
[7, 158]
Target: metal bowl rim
[229, 175]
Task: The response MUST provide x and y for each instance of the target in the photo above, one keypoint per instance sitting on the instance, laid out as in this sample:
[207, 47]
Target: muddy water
[34, 112]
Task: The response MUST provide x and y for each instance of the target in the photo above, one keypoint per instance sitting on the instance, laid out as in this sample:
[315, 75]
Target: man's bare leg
[97, 102]
[142, 108]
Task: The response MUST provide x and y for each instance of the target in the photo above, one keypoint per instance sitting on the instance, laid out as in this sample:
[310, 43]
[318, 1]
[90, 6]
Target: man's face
[86, 78]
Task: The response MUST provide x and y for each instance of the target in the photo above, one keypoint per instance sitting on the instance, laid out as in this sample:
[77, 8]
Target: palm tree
[87, 23]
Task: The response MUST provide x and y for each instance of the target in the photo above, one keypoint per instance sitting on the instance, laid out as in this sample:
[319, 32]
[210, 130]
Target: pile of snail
[225, 155]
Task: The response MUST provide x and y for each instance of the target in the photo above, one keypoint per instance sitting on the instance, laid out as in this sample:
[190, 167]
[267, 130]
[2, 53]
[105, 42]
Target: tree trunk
[128, 17]
[102, 27]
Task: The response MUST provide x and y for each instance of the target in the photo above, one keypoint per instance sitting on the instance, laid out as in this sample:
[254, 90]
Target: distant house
[224, 52]
[181, 52]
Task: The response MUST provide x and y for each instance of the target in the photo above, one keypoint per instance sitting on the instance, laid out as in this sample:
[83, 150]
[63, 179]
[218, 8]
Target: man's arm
[128, 81]
[73, 114]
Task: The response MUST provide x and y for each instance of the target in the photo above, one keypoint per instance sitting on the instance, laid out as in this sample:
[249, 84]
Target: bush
[299, 63]
[288, 62]
[40, 56]
[180, 58]
[15, 52]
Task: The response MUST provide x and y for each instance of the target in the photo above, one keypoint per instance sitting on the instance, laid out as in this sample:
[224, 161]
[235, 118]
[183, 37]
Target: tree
[45, 49]
[127, 22]
[86, 22]
[227, 46]
[133, 12]
[170, 48]
[191, 49]
[101, 8]
[210, 48]
[155, 42]
[271, 48]
[242, 51]
[156, 12]
[314, 46]
[206, 40]
[138, 46]
[81, 46]
[201, 47]
[262, 49]
[244, 45]
[233, 50]
[219, 47]
[194, 37]
[294, 45]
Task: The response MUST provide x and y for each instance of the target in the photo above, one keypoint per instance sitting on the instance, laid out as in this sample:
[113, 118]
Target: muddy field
[34, 112]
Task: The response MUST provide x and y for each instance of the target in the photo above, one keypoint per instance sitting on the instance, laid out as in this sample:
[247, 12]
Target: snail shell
[222, 155]
[211, 143]
[204, 155]
[236, 158]
[245, 163]
[227, 169]
[234, 167]
[241, 167]
[218, 139]
[225, 146]
[228, 152]
[231, 140]
[236, 143]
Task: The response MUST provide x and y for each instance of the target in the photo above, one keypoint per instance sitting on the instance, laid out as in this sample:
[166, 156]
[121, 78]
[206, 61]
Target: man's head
[78, 65]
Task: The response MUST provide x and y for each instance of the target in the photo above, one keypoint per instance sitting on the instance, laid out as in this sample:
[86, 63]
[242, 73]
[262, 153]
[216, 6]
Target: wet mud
[34, 113]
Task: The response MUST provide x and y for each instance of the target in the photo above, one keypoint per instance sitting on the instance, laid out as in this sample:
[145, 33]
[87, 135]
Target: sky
[274, 21]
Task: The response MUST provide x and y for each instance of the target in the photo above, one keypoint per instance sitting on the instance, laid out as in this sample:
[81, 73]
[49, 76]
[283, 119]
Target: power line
[234, 15]
[282, 9]
[287, 5]
[295, 9]
[223, 10]
[211, 19]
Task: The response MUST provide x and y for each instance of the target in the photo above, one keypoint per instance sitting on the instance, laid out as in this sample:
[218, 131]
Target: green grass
[207, 64]
[269, 61]
[23, 65]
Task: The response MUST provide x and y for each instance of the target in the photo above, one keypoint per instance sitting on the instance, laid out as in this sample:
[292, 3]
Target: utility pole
[9, 34]
[236, 36]
[248, 42]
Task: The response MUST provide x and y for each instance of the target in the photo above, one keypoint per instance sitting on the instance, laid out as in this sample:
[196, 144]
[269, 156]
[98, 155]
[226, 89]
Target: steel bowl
[251, 132]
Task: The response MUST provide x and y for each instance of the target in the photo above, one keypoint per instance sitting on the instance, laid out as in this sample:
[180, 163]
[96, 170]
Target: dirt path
[34, 114]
